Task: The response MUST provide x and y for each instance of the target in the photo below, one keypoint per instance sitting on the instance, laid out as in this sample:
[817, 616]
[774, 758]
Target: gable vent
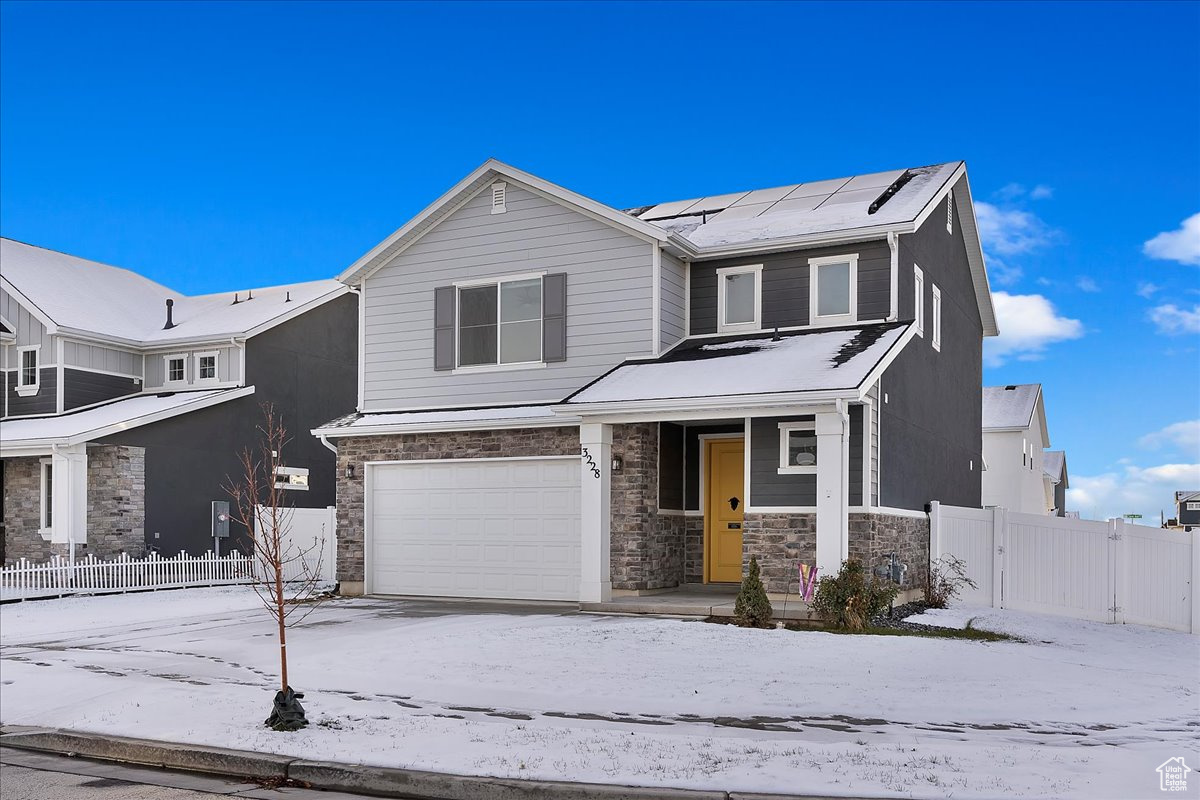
[498, 191]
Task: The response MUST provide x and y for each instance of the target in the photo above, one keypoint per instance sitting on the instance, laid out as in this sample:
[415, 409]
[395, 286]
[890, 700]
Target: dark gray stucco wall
[308, 368]
[769, 488]
[44, 402]
[930, 423]
[670, 466]
[693, 457]
[82, 388]
[1187, 517]
[785, 297]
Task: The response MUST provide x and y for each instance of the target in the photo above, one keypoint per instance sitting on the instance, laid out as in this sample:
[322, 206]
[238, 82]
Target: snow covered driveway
[1081, 710]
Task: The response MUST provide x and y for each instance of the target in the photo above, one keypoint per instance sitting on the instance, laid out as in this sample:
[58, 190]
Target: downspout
[894, 245]
[844, 416]
[325, 441]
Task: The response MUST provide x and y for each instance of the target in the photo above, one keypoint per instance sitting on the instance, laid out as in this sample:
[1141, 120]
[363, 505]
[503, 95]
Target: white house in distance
[1014, 439]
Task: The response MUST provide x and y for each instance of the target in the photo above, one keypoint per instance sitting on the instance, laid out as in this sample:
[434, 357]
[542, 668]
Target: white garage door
[504, 528]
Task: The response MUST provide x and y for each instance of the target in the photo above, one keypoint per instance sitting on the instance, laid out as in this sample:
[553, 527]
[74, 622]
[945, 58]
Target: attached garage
[504, 528]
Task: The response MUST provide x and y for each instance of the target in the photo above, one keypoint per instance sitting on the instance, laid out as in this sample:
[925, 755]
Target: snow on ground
[1079, 710]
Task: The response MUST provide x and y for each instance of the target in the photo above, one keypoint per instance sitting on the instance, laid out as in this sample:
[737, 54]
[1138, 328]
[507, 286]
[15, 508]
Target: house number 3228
[591, 463]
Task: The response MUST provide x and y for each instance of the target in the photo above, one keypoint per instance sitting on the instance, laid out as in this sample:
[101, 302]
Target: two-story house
[1055, 481]
[559, 399]
[1015, 437]
[125, 404]
[1187, 511]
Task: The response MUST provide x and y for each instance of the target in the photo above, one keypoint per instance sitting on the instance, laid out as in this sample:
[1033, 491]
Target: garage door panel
[486, 528]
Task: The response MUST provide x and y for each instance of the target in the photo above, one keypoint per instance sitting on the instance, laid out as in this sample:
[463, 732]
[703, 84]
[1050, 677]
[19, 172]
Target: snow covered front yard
[1079, 710]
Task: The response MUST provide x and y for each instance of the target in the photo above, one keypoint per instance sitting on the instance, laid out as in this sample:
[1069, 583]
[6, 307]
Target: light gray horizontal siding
[28, 330]
[609, 296]
[97, 357]
[673, 301]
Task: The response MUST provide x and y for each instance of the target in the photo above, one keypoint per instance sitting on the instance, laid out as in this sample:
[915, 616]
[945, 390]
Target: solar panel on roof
[877, 180]
[764, 196]
[817, 188]
[859, 196]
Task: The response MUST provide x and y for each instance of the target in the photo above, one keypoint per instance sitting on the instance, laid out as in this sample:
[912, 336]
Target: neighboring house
[1014, 438]
[125, 403]
[1055, 482]
[788, 373]
[1187, 510]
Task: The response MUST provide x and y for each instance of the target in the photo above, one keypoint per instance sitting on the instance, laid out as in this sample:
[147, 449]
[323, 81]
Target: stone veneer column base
[22, 511]
[874, 537]
[116, 501]
[779, 542]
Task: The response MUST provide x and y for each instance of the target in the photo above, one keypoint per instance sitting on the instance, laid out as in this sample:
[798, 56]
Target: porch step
[698, 604]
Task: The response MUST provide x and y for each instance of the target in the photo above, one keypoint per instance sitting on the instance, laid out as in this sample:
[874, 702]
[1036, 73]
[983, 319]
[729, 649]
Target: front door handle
[733, 503]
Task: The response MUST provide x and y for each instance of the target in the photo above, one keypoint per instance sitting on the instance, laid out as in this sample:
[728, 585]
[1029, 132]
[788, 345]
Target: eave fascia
[872, 233]
[23, 448]
[41, 316]
[730, 403]
[557, 421]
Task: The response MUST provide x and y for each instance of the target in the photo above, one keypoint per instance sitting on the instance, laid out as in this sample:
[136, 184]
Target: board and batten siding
[672, 301]
[102, 358]
[29, 331]
[609, 296]
[785, 279]
[229, 365]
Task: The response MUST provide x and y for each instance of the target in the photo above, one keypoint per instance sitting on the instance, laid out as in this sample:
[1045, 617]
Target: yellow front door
[724, 506]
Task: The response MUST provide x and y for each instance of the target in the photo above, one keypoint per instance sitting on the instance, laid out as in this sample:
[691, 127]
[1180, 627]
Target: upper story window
[29, 372]
[919, 299]
[500, 322]
[1193, 506]
[936, 313]
[739, 298]
[175, 369]
[797, 448]
[833, 289]
[206, 367]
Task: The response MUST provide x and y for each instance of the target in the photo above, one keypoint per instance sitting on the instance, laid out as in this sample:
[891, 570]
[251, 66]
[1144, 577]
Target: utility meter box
[220, 519]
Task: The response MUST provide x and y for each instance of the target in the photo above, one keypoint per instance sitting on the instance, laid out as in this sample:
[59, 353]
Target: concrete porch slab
[696, 601]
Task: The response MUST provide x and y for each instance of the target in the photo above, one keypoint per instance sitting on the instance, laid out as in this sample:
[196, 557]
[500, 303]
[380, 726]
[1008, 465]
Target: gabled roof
[36, 435]
[1182, 497]
[825, 363]
[856, 208]
[1012, 407]
[1054, 465]
[72, 294]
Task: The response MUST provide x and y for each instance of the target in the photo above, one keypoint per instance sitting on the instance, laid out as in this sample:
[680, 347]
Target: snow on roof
[802, 209]
[352, 424]
[89, 296]
[105, 420]
[1053, 462]
[821, 360]
[1010, 406]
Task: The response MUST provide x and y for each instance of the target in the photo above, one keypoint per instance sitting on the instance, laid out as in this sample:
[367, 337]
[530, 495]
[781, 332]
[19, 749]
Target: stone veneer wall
[780, 542]
[116, 501]
[647, 548]
[873, 537]
[693, 550]
[22, 511]
[416, 446]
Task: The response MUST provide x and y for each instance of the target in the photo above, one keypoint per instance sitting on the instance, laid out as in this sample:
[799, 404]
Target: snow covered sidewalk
[1078, 710]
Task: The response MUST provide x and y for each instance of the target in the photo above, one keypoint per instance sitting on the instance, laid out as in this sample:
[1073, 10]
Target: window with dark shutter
[554, 317]
[444, 301]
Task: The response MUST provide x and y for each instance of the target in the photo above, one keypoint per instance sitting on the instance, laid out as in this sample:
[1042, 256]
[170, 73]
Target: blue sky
[203, 144]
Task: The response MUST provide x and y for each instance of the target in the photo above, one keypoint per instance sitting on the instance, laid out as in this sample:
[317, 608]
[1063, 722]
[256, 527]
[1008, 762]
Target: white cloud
[1086, 284]
[1042, 192]
[1028, 324]
[1182, 436]
[1173, 320]
[1147, 289]
[1010, 231]
[1134, 490]
[1182, 245]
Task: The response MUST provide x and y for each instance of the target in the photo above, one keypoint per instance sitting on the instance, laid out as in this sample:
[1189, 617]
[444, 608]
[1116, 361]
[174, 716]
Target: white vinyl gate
[310, 541]
[1103, 571]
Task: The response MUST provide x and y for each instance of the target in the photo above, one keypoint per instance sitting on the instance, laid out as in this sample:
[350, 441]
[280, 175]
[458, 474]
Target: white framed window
[919, 299]
[935, 311]
[174, 369]
[500, 322]
[833, 289]
[950, 213]
[1193, 506]
[499, 192]
[46, 495]
[797, 448]
[206, 367]
[29, 370]
[739, 298]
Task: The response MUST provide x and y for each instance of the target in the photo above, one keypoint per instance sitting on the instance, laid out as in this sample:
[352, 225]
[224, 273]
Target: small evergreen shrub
[752, 609]
[947, 578]
[851, 598]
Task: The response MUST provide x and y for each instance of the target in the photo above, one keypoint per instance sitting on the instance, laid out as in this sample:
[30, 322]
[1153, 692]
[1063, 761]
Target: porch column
[595, 580]
[833, 542]
[69, 504]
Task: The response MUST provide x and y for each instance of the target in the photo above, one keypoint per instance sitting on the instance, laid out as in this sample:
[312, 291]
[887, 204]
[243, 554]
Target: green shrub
[752, 608]
[849, 599]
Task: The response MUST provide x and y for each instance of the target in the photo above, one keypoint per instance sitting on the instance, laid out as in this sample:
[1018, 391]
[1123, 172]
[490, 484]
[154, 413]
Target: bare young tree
[286, 576]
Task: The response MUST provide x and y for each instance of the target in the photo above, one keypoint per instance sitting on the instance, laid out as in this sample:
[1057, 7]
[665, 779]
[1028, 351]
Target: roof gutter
[559, 420]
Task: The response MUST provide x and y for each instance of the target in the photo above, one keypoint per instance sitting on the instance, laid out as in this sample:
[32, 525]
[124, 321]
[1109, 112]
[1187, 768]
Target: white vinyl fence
[1103, 571]
[26, 580]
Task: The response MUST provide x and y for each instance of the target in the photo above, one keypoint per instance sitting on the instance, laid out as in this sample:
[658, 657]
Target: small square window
[739, 298]
[797, 447]
[176, 369]
[206, 367]
[833, 290]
